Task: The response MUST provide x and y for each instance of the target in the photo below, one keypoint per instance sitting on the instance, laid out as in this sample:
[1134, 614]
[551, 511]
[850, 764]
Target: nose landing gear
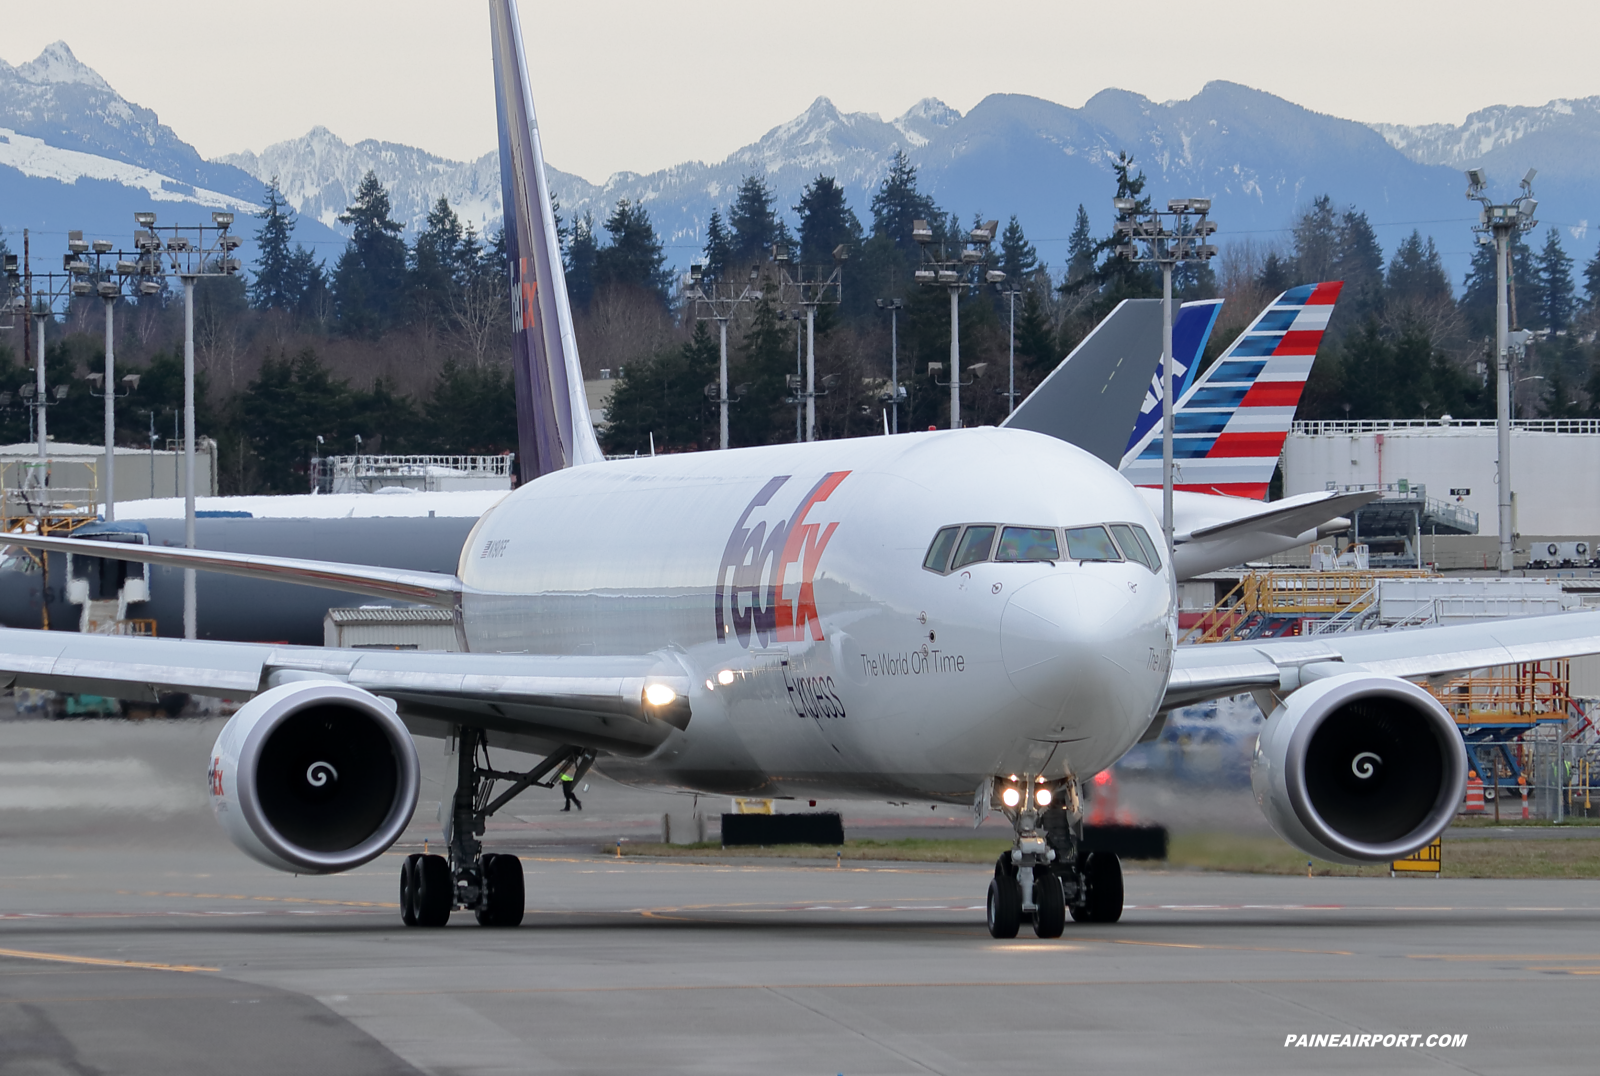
[1046, 874]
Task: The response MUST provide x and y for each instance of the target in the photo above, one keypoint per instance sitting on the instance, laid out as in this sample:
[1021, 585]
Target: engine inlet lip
[294, 698]
[1339, 691]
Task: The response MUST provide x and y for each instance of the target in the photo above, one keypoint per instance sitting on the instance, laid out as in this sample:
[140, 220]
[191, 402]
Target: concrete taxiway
[142, 943]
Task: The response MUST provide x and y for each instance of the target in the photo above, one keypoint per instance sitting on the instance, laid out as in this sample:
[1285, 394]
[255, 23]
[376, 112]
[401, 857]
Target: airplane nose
[1054, 632]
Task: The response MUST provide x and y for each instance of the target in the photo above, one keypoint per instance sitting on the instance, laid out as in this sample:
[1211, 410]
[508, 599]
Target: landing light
[1042, 797]
[1010, 797]
[659, 695]
[725, 677]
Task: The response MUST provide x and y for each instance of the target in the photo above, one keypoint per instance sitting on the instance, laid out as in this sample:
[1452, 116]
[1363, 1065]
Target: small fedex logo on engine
[216, 776]
[765, 581]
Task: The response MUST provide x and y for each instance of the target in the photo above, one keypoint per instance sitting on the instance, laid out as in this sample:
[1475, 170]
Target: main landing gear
[432, 886]
[1046, 875]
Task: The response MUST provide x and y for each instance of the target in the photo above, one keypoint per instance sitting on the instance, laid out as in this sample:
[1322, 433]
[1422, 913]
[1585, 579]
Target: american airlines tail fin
[1231, 424]
[553, 426]
[1191, 331]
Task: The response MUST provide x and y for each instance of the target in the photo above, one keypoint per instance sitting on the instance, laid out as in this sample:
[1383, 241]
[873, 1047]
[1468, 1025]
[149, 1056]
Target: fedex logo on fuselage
[764, 584]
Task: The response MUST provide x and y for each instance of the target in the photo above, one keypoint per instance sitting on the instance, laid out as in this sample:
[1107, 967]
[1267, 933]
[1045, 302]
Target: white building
[1555, 467]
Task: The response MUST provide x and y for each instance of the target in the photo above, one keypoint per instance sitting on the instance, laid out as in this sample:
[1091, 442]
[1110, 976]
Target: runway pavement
[140, 942]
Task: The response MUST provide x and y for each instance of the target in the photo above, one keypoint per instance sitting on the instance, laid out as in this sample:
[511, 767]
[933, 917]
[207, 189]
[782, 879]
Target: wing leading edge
[1216, 670]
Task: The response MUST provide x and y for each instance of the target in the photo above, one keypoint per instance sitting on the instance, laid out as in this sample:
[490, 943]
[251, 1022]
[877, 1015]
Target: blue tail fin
[553, 426]
[1191, 328]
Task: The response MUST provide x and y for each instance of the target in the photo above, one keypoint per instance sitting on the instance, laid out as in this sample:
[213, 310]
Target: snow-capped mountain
[75, 154]
[319, 173]
[1561, 139]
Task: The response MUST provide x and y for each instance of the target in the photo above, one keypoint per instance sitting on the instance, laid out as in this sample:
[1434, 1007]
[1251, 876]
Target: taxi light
[725, 677]
[1010, 797]
[1042, 797]
[659, 695]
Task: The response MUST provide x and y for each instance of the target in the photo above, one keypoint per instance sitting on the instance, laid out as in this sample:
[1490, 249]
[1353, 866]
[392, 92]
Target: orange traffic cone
[1522, 786]
[1474, 793]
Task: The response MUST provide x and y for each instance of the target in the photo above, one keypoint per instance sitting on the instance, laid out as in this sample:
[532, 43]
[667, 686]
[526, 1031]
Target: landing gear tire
[1101, 873]
[1050, 911]
[503, 892]
[408, 889]
[434, 891]
[1005, 907]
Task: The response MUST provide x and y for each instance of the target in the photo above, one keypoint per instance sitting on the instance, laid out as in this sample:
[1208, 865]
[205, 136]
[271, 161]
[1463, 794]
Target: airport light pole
[1011, 289]
[1497, 223]
[896, 393]
[1148, 239]
[193, 251]
[109, 289]
[955, 270]
[720, 305]
[807, 288]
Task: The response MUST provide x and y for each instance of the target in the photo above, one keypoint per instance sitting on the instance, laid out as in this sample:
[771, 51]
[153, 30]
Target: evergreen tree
[634, 257]
[285, 409]
[369, 281]
[766, 357]
[274, 286]
[1080, 248]
[472, 412]
[1358, 261]
[1018, 257]
[1117, 277]
[582, 253]
[826, 222]
[437, 264]
[308, 283]
[1591, 280]
[1478, 291]
[1416, 274]
[664, 397]
[1274, 278]
[1037, 353]
[719, 247]
[1553, 273]
[752, 222]
[1317, 243]
[897, 203]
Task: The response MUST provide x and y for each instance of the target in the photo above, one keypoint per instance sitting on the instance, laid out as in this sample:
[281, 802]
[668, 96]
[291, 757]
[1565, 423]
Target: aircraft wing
[1290, 518]
[1216, 670]
[428, 588]
[588, 701]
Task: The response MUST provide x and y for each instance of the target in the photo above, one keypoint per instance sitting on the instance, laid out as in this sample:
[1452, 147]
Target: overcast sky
[641, 84]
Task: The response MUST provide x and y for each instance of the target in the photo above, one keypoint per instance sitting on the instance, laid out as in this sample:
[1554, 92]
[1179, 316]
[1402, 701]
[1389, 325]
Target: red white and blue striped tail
[554, 430]
[1229, 428]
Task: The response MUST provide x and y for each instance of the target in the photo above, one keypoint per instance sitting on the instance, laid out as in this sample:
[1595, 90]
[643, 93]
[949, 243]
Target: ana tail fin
[553, 426]
[1191, 330]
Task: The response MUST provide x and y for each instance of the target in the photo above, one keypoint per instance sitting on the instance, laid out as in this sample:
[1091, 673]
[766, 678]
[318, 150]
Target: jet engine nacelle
[314, 777]
[1359, 768]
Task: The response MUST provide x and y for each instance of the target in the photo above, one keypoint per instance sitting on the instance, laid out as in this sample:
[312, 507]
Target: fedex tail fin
[553, 426]
[1231, 424]
[1191, 331]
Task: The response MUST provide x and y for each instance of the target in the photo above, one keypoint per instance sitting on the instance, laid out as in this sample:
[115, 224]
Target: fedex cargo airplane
[971, 616]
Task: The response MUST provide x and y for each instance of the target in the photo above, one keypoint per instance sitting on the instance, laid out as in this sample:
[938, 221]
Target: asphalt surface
[135, 940]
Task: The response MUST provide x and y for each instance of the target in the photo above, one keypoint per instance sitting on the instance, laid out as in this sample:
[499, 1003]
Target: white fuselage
[788, 581]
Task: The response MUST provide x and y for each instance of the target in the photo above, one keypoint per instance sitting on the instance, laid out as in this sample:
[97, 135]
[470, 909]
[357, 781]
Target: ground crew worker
[567, 790]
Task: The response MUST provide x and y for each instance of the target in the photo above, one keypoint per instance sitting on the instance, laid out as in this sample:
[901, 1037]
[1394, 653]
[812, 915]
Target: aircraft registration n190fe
[968, 616]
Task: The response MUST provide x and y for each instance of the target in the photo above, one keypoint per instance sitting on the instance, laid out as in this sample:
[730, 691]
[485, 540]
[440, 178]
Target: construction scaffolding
[1275, 604]
[32, 502]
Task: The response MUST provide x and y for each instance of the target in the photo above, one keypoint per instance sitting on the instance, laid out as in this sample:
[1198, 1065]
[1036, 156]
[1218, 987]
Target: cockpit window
[974, 546]
[1090, 543]
[939, 552]
[1149, 547]
[1132, 548]
[1028, 543]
